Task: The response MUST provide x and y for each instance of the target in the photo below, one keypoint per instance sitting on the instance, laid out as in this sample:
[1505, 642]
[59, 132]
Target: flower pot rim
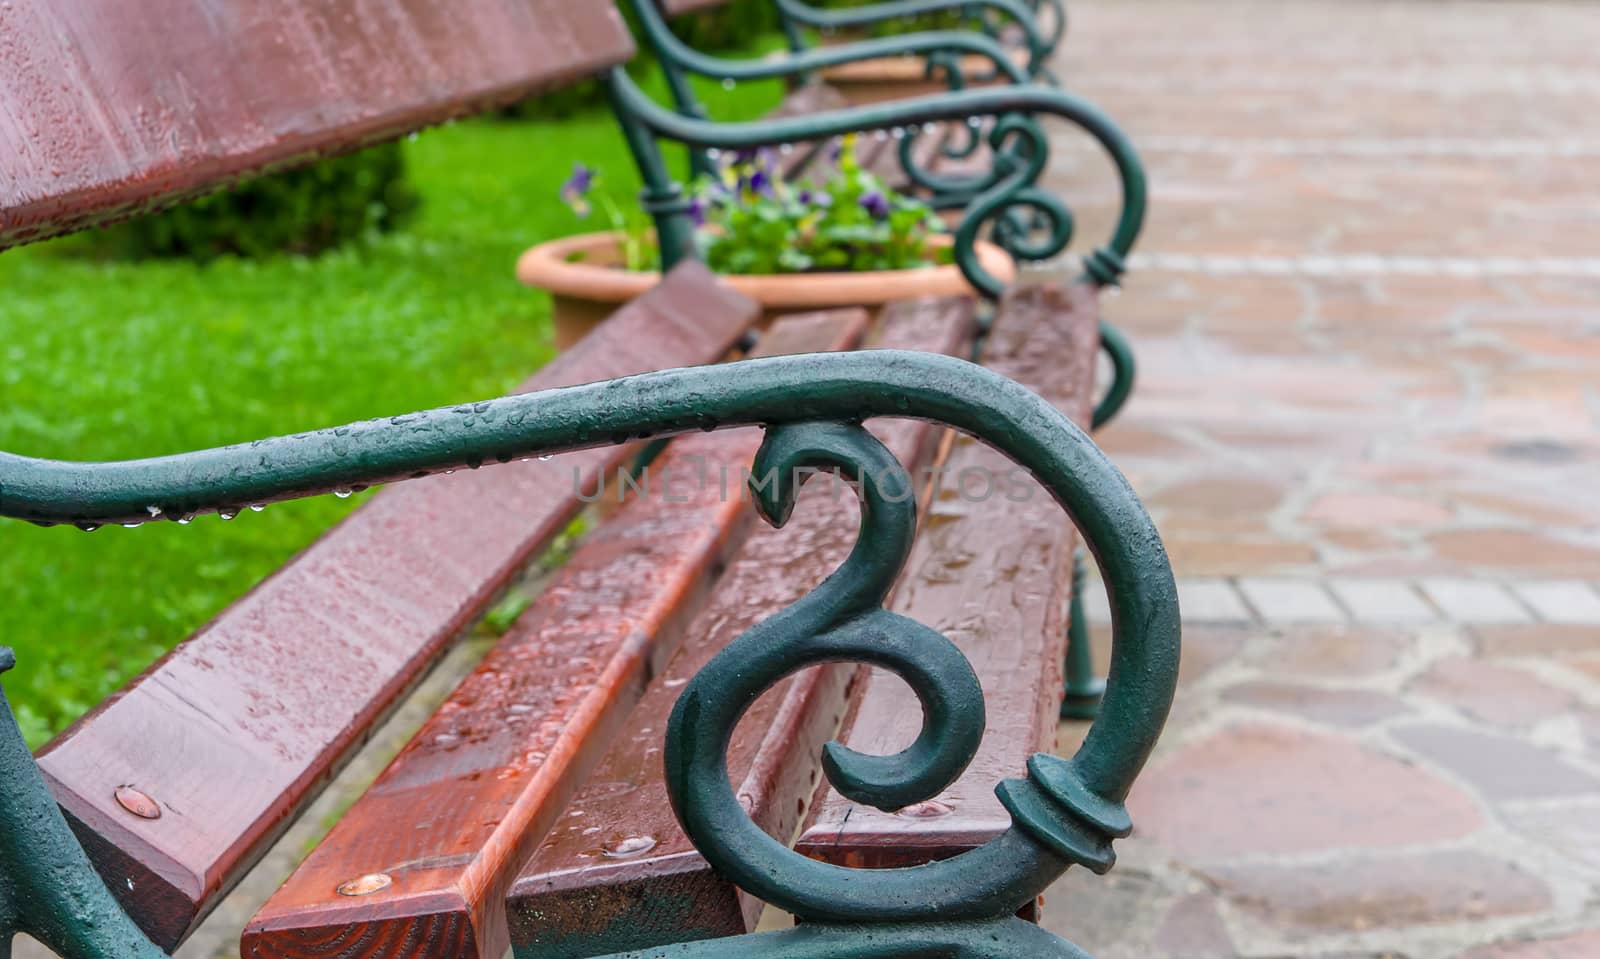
[547, 267]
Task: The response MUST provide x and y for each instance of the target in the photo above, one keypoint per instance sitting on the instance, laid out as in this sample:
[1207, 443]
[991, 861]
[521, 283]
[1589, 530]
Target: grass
[107, 360]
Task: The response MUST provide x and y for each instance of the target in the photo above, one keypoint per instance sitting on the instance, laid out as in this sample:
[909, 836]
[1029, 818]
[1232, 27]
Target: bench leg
[1083, 688]
[48, 889]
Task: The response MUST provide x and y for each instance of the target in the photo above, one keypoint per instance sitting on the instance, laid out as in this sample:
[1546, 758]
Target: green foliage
[754, 223]
[305, 210]
[107, 360]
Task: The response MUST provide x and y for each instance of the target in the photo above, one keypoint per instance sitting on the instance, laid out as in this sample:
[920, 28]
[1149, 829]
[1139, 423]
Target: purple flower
[876, 204]
[815, 198]
[697, 211]
[575, 192]
[761, 182]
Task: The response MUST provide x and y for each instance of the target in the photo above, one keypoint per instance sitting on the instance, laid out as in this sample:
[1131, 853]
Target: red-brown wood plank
[993, 573]
[108, 107]
[237, 728]
[470, 797]
[574, 899]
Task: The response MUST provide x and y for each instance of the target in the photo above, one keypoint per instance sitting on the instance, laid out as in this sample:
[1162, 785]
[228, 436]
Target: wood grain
[109, 107]
[470, 797]
[235, 730]
[992, 571]
[572, 899]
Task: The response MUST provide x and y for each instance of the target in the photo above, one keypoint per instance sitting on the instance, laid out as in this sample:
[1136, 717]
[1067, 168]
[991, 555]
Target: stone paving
[1367, 310]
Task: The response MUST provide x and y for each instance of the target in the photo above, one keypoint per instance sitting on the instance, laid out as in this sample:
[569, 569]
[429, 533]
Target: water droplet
[713, 153]
[728, 83]
[226, 514]
[342, 493]
[898, 133]
[785, 149]
[974, 122]
[546, 457]
[631, 846]
[131, 525]
[186, 519]
[880, 135]
[257, 507]
[153, 510]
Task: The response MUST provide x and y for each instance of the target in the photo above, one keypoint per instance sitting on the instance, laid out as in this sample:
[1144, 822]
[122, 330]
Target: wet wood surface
[236, 729]
[471, 796]
[108, 108]
[579, 896]
[992, 571]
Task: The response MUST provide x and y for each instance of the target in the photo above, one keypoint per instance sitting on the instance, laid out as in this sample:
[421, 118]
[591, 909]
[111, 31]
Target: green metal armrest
[1039, 46]
[1065, 812]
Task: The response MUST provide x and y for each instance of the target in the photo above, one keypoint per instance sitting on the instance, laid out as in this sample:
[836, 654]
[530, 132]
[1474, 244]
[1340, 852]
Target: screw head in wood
[137, 803]
[365, 885]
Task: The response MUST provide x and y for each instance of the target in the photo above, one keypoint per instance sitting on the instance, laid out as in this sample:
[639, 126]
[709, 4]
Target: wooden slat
[470, 797]
[237, 728]
[572, 900]
[108, 107]
[993, 574]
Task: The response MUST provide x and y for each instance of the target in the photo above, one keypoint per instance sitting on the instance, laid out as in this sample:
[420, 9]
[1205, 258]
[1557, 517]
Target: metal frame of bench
[1005, 198]
[1065, 812]
[1068, 811]
[1021, 16]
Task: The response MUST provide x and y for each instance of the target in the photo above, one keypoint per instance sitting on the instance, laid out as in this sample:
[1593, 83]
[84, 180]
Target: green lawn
[106, 360]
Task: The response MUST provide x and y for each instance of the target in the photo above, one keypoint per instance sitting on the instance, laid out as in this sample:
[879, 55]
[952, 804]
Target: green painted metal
[1082, 690]
[1065, 812]
[1038, 44]
[1006, 195]
[1123, 372]
[48, 889]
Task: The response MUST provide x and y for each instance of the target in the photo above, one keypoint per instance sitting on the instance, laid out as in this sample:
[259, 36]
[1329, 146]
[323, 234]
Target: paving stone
[1499, 767]
[1577, 945]
[1260, 789]
[1516, 551]
[1473, 601]
[1201, 556]
[1570, 830]
[1566, 602]
[1389, 892]
[1343, 651]
[1536, 639]
[1382, 601]
[1339, 707]
[1223, 495]
[1193, 929]
[1495, 693]
[1290, 601]
[1374, 511]
[1210, 601]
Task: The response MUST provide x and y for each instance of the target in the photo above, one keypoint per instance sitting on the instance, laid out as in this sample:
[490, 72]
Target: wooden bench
[129, 827]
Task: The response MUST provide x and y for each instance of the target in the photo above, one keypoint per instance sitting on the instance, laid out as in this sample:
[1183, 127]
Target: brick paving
[1367, 310]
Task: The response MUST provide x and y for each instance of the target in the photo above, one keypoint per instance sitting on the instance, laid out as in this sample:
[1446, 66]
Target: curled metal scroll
[1064, 812]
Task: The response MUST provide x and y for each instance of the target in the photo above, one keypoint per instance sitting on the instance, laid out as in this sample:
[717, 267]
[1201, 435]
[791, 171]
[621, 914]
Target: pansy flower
[575, 192]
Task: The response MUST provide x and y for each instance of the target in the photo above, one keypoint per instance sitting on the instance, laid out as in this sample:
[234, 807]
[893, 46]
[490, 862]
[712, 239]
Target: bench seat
[470, 796]
[264, 704]
[574, 899]
[993, 572]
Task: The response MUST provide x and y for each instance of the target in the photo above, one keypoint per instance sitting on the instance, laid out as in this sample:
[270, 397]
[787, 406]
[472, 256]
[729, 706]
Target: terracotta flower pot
[897, 78]
[584, 277]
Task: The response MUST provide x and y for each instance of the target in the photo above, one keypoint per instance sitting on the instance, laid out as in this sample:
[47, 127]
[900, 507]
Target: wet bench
[129, 827]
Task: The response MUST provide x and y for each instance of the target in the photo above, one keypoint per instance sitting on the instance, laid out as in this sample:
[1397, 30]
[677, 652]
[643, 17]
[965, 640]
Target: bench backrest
[110, 107]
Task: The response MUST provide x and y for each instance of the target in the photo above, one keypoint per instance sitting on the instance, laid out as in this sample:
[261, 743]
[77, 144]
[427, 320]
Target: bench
[128, 828]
